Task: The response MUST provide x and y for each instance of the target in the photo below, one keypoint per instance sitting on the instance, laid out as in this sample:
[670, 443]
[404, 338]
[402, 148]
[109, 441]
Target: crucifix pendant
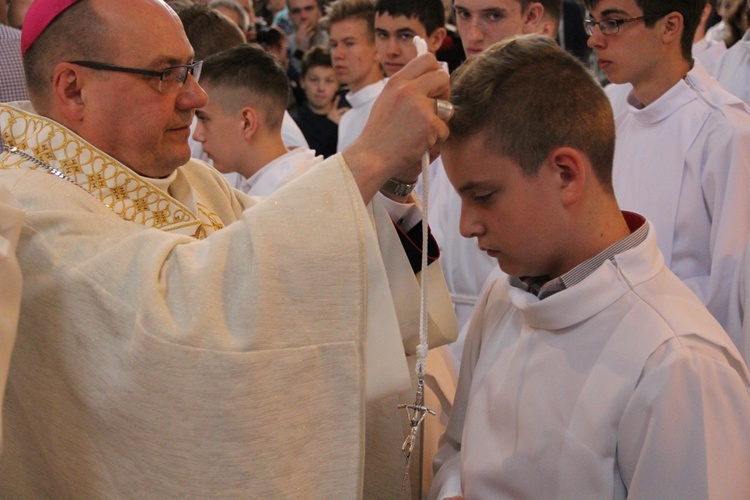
[416, 414]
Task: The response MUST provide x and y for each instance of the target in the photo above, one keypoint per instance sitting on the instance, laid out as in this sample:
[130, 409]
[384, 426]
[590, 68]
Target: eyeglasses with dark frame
[170, 78]
[608, 26]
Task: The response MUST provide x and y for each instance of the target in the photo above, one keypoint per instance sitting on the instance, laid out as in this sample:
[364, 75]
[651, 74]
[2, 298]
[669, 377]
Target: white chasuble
[152, 364]
[10, 284]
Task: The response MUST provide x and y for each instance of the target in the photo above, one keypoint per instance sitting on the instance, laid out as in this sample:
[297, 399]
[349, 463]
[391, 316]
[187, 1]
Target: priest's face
[635, 54]
[482, 23]
[514, 217]
[127, 115]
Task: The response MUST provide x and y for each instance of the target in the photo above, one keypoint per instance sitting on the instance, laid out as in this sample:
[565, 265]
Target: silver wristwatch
[397, 188]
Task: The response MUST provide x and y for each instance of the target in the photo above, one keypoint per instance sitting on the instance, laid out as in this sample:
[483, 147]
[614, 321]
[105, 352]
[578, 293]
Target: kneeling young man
[592, 371]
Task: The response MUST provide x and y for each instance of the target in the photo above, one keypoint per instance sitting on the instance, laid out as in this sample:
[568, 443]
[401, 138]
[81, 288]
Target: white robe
[684, 163]
[278, 173]
[734, 69]
[150, 363]
[739, 307]
[709, 53]
[353, 122]
[621, 386]
[290, 134]
[11, 217]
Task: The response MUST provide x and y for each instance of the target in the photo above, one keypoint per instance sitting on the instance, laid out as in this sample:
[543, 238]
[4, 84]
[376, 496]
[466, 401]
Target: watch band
[398, 188]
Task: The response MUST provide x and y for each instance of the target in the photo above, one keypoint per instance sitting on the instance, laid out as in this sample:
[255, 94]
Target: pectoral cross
[416, 414]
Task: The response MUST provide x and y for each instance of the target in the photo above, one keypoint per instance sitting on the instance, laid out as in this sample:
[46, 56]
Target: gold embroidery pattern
[124, 192]
[213, 218]
[70, 167]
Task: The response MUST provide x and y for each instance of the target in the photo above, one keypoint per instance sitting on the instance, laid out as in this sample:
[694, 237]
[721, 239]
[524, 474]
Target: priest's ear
[67, 93]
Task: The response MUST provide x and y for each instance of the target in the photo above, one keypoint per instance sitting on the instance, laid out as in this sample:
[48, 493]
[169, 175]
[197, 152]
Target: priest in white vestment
[592, 371]
[683, 144]
[178, 338]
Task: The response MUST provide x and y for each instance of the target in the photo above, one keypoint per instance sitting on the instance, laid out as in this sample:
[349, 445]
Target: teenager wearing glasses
[683, 142]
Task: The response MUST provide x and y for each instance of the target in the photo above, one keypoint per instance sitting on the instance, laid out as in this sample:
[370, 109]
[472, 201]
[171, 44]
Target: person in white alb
[707, 51]
[239, 128]
[355, 61]
[481, 23]
[591, 371]
[734, 68]
[683, 142]
[182, 338]
[11, 217]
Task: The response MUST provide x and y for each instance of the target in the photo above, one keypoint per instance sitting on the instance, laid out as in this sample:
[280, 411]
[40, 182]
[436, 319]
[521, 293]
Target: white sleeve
[684, 433]
[447, 464]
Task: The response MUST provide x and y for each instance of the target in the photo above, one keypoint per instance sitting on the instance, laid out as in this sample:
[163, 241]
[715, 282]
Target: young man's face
[320, 85]
[632, 55]
[394, 39]
[512, 216]
[220, 134]
[482, 23]
[353, 53]
[303, 12]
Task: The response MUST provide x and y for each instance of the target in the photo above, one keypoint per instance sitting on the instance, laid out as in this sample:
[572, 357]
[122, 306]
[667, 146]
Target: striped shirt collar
[543, 287]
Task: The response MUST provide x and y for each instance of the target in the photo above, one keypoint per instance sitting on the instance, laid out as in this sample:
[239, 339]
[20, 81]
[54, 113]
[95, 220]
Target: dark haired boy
[397, 22]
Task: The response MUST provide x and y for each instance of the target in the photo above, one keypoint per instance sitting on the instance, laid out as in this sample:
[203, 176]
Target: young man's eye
[483, 198]
[463, 14]
[407, 36]
[493, 17]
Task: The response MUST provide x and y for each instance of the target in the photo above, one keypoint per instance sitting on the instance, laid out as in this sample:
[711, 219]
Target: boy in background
[397, 22]
[319, 116]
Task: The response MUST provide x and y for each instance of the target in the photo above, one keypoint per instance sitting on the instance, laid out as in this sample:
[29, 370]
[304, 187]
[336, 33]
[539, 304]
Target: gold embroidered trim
[128, 195]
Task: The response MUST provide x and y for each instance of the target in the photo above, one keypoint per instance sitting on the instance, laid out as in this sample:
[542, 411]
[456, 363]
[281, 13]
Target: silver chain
[49, 168]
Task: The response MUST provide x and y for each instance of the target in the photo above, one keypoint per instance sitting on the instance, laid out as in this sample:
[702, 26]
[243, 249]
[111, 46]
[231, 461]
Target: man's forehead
[348, 28]
[480, 5]
[395, 23]
[301, 4]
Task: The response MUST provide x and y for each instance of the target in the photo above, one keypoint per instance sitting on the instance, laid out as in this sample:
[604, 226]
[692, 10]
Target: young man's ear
[570, 171]
[532, 18]
[67, 90]
[673, 25]
[435, 39]
[250, 122]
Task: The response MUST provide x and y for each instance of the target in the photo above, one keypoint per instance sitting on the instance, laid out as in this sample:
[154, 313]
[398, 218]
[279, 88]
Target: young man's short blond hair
[341, 10]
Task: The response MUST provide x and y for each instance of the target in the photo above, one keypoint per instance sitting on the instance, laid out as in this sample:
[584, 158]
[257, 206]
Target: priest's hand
[403, 125]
